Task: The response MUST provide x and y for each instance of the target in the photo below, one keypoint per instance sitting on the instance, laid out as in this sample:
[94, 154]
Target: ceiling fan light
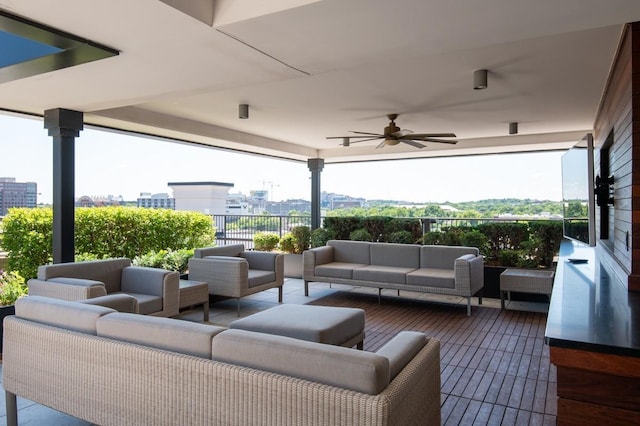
[480, 80]
[391, 142]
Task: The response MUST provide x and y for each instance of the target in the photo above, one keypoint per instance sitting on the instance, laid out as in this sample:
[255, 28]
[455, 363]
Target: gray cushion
[400, 255]
[77, 281]
[138, 279]
[119, 301]
[337, 270]
[147, 303]
[432, 277]
[347, 368]
[324, 324]
[350, 251]
[401, 349]
[435, 256]
[107, 271]
[382, 274]
[258, 277]
[185, 337]
[233, 250]
[61, 313]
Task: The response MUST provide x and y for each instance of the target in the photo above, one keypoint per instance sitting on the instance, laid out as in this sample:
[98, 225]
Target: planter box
[292, 265]
[492, 287]
[5, 311]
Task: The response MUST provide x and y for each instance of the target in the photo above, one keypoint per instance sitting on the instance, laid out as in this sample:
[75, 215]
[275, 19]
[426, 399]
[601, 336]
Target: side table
[194, 293]
[525, 281]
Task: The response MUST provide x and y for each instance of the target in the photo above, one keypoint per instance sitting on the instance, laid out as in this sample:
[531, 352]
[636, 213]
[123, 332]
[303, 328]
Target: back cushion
[185, 337]
[107, 271]
[347, 368]
[443, 257]
[350, 251]
[230, 250]
[400, 255]
[61, 313]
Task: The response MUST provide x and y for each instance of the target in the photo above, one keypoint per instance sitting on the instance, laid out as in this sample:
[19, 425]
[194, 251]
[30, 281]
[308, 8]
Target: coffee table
[194, 293]
[322, 324]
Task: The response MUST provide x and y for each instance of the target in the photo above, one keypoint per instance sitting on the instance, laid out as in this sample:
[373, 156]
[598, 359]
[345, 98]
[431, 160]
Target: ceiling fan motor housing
[390, 139]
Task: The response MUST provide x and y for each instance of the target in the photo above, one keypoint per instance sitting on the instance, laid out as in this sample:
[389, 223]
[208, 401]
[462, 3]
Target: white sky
[109, 163]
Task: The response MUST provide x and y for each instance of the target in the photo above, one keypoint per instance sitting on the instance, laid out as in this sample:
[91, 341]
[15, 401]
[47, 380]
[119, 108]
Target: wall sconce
[243, 111]
[480, 79]
[513, 128]
[604, 191]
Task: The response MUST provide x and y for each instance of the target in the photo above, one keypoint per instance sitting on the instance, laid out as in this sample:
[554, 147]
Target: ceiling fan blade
[402, 133]
[380, 145]
[364, 133]
[412, 143]
[365, 140]
[450, 142]
[433, 135]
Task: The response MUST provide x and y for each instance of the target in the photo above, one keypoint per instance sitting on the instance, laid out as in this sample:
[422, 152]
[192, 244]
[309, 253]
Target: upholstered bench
[322, 324]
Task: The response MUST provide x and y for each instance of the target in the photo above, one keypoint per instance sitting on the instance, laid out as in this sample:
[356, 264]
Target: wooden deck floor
[495, 366]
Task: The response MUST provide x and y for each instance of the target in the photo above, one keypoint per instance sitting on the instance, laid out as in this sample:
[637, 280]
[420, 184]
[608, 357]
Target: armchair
[233, 272]
[155, 290]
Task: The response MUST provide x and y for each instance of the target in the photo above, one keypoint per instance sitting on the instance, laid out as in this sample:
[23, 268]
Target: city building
[204, 197]
[156, 201]
[99, 201]
[17, 194]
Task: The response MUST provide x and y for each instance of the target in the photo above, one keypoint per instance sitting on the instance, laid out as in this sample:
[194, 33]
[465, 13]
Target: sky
[109, 163]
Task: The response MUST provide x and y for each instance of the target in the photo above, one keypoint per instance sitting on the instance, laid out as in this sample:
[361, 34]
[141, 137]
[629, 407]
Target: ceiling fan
[393, 135]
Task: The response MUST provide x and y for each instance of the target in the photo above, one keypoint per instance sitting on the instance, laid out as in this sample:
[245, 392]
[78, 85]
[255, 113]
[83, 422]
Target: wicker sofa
[155, 290]
[113, 368]
[452, 270]
[231, 271]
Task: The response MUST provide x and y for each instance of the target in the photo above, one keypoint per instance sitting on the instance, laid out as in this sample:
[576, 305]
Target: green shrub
[287, 244]
[413, 226]
[477, 239]
[173, 260]
[546, 238]
[301, 238]
[265, 241]
[376, 226]
[401, 237]
[360, 235]
[432, 238]
[12, 286]
[320, 236]
[100, 233]
[342, 227]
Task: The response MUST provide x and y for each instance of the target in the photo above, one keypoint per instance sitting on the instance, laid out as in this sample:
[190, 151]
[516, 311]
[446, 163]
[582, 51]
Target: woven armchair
[155, 290]
[231, 271]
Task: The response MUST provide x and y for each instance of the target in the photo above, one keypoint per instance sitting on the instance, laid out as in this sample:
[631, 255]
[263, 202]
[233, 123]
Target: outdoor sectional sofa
[452, 270]
[112, 368]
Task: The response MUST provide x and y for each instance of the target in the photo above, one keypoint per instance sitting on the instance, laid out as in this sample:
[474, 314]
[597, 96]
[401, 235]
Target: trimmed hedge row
[102, 233]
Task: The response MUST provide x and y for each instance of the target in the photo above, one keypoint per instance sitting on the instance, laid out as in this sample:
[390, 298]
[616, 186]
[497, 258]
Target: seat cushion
[347, 368]
[432, 277]
[61, 313]
[323, 324]
[400, 255]
[147, 303]
[258, 277]
[382, 274]
[184, 337]
[337, 270]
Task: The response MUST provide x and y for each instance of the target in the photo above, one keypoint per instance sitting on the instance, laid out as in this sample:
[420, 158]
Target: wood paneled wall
[619, 115]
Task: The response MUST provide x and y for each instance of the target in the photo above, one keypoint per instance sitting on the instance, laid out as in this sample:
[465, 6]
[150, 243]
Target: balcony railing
[239, 229]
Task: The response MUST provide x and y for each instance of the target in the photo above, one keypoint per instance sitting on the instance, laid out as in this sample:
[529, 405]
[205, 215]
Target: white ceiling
[311, 69]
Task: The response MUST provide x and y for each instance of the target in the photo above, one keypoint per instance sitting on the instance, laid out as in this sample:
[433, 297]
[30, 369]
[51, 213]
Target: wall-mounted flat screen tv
[578, 196]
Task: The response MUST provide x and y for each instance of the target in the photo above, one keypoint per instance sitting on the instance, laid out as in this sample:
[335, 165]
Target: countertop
[591, 308]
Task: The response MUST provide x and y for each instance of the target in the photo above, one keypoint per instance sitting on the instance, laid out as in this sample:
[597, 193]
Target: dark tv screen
[577, 192]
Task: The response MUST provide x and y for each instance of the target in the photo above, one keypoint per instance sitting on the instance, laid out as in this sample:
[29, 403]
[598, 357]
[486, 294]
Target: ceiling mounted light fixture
[513, 128]
[243, 111]
[480, 79]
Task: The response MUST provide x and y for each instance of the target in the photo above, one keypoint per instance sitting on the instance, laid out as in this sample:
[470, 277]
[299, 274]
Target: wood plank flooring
[495, 366]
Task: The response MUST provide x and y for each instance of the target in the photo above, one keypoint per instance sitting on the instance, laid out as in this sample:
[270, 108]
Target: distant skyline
[110, 163]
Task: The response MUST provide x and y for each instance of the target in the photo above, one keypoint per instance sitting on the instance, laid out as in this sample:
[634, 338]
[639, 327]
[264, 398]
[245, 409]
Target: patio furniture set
[109, 367]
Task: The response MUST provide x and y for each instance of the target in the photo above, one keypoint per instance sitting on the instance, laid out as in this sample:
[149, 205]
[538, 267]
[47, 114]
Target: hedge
[104, 232]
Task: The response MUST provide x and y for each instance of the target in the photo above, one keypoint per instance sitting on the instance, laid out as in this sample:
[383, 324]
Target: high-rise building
[17, 194]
